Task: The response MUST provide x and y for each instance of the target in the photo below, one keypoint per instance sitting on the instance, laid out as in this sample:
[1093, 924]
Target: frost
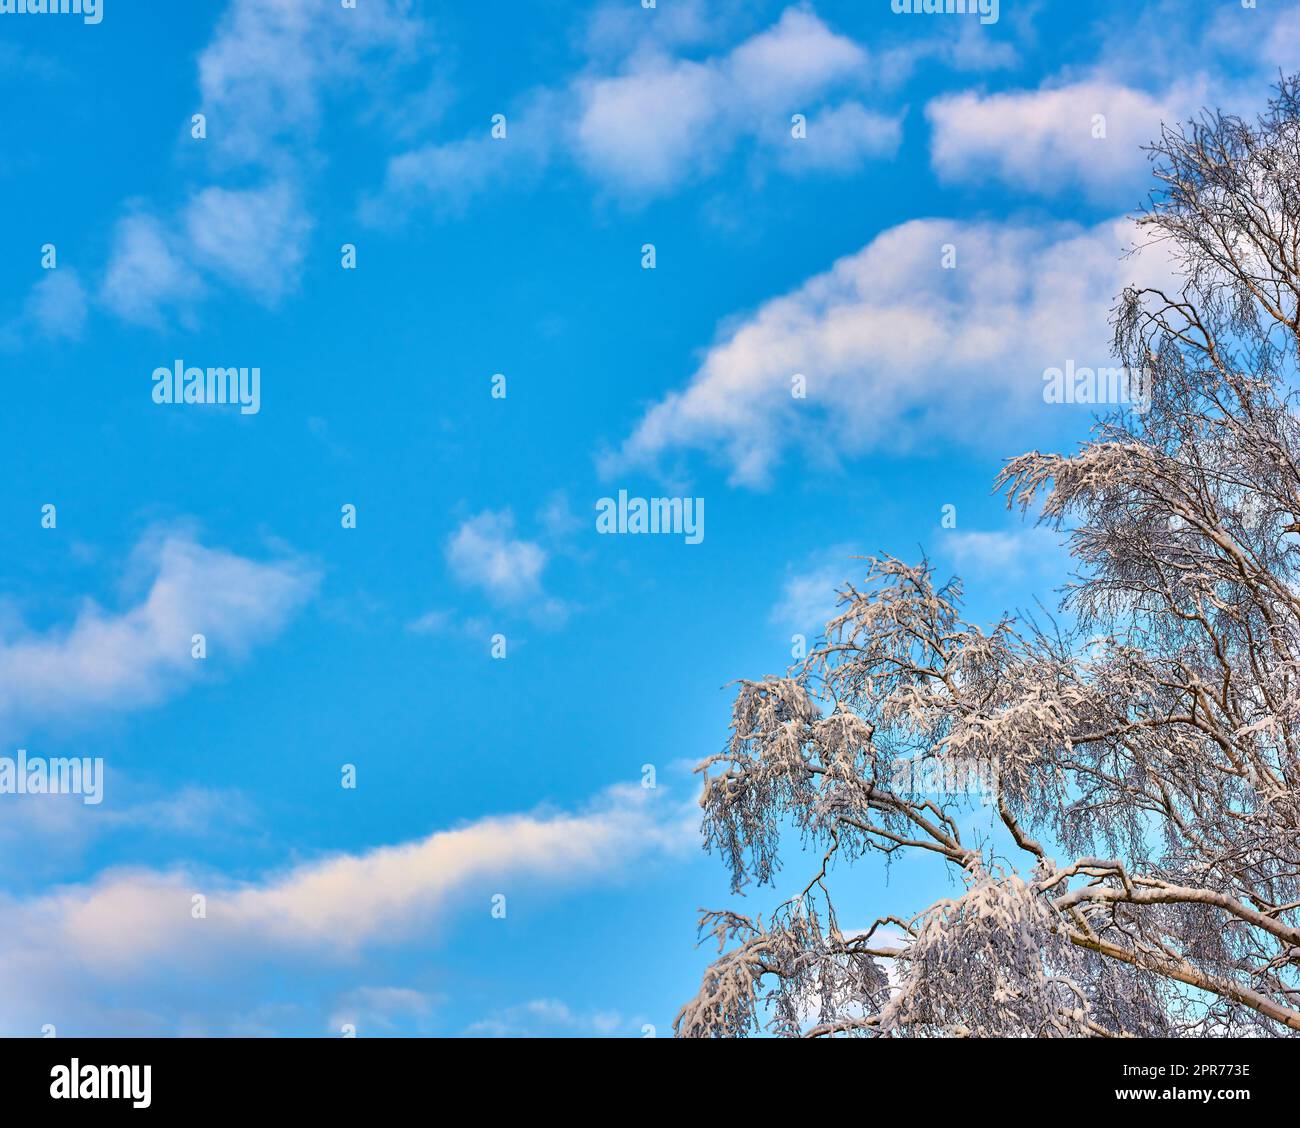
[1156, 743]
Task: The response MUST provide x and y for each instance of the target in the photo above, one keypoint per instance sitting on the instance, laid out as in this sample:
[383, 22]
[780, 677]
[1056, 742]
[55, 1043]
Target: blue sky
[371, 646]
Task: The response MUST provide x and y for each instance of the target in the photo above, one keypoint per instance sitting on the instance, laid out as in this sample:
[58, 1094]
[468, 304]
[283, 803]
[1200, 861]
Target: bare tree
[1154, 744]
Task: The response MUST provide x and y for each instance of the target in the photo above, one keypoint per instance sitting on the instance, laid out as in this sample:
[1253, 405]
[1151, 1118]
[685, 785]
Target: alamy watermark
[180, 384]
[1072, 384]
[90, 11]
[76, 1081]
[680, 516]
[942, 775]
[35, 775]
[987, 10]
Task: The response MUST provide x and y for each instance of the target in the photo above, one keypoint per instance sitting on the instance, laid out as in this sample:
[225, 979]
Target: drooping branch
[1155, 740]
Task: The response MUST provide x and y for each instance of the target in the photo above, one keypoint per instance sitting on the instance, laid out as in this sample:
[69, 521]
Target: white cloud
[666, 119]
[894, 347]
[1005, 556]
[551, 1018]
[57, 305]
[58, 831]
[645, 130]
[1043, 140]
[793, 59]
[147, 272]
[452, 173]
[131, 933]
[485, 553]
[251, 237]
[266, 72]
[264, 80]
[662, 118]
[808, 597]
[558, 518]
[434, 622]
[614, 28]
[1158, 42]
[114, 661]
[55, 309]
[842, 138]
[379, 1010]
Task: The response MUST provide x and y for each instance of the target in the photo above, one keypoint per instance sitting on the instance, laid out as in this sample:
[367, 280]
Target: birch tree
[1143, 763]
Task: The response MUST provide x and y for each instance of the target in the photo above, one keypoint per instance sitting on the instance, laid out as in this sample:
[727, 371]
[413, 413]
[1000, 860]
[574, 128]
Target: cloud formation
[253, 239]
[1078, 138]
[1005, 556]
[147, 272]
[108, 661]
[808, 598]
[55, 310]
[264, 81]
[69, 955]
[265, 76]
[656, 118]
[485, 553]
[551, 1018]
[894, 347]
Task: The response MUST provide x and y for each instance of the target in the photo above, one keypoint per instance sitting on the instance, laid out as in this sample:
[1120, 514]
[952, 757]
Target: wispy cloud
[264, 82]
[148, 272]
[55, 310]
[251, 238]
[663, 118]
[1057, 140]
[808, 595]
[551, 1018]
[112, 661]
[381, 1010]
[654, 117]
[1083, 130]
[57, 305]
[485, 553]
[997, 558]
[893, 346]
[271, 66]
[135, 930]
